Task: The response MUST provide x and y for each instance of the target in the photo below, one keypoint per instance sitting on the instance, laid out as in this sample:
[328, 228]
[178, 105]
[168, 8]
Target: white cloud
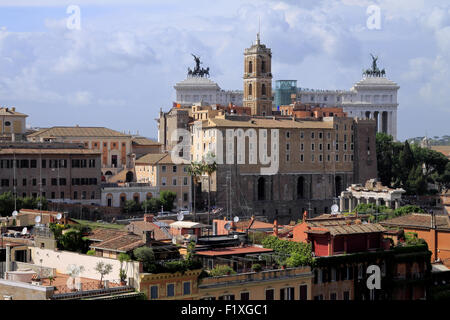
[130, 58]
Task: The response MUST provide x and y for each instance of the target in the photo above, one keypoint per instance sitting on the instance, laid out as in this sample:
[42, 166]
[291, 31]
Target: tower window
[250, 67]
[263, 66]
[263, 89]
[250, 89]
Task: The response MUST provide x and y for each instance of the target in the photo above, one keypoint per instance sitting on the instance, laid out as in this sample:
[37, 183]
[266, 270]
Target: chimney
[275, 228]
[148, 217]
[147, 237]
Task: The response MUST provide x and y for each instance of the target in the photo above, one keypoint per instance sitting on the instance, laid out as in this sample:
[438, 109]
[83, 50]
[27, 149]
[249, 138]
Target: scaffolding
[283, 91]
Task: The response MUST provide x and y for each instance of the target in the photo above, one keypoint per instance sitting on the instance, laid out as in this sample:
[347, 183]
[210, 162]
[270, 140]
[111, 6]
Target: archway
[129, 176]
[338, 185]
[300, 187]
[261, 189]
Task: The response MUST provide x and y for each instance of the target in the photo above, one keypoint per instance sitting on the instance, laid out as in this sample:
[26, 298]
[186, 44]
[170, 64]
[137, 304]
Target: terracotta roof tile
[77, 132]
[137, 227]
[419, 220]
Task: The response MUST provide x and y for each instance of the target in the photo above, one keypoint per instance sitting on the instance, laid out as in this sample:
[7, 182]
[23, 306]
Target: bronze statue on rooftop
[374, 72]
[198, 72]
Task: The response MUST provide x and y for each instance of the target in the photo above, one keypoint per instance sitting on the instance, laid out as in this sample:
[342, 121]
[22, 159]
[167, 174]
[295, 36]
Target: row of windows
[320, 158]
[83, 163]
[287, 293]
[263, 89]
[52, 163]
[170, 290]
[320, 145]
[174, 169]
[61, 195]
[334, 296]
[33, 182]
[174, 181]
[83, 195]
[84, 181]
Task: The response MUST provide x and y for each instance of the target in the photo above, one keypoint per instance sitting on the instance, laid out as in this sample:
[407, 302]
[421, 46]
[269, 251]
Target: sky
[119, 67]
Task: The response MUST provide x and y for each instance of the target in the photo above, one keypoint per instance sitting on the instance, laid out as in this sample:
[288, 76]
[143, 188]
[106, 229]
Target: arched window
[300, 187]
[250, 89]
[261, 189]
[263, 89]
[338, 185]
[129, 176]
[250, 67]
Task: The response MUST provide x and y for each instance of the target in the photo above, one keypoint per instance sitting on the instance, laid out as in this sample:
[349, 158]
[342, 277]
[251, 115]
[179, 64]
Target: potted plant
[123, 258]
[123, 277]
[256, 267]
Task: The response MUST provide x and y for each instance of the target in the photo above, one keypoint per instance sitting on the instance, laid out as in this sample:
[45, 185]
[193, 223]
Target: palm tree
[194, 170]
[209, 167]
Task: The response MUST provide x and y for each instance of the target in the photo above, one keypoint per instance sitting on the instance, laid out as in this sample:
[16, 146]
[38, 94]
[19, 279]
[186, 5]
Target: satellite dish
[24, 231]
[236, 219]
[180, 216]
[37, 219]
[227, 226]
[235, 236]
[334, 209]
[15, 213]
[59, 216]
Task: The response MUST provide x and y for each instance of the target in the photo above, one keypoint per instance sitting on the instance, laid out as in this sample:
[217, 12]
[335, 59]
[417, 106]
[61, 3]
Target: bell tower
[258, 79]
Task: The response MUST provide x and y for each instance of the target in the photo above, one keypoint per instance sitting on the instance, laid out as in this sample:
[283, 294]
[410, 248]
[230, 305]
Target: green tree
[209, 166]
[6, 204]
[221, 270]
[131, 206]
[416, 182]
[194, 170]
[406, 162]
[297, 251]
[167, 199]
[152, 205]
[103, 269]
[146, 256]
[73, 240]
[407, 210]
[384, 147]
[124, 259]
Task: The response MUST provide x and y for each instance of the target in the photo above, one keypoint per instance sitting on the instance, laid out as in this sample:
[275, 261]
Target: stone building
[372, 192]
[118, 150]
[195, 89]
[12, 124]
[65, 172]
[373, 97]
[161, 172]
[258, 79]
[312, 162]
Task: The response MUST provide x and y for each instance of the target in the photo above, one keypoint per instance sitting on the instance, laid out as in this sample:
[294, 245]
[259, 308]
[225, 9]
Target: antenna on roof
[24, 231]
[180, 216]
[236, 219]
[59, 216]
[227, 226]
[15, 213]
[37, 219]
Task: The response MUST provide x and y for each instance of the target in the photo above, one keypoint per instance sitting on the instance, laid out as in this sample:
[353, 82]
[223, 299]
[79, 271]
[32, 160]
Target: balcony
[246, 278]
